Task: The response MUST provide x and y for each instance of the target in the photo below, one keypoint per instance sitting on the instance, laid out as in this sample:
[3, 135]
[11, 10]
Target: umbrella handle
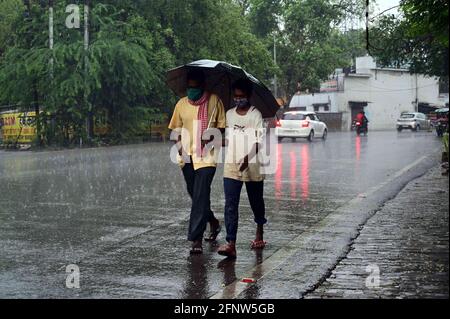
[212, 116]
[210, 121]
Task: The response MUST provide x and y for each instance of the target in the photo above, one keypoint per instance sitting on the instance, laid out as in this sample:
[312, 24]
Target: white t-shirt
[242, 132]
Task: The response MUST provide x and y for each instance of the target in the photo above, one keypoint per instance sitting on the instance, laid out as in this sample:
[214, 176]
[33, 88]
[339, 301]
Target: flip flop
[227, 251]
[258, 244]
[196, 250]
[213, 234]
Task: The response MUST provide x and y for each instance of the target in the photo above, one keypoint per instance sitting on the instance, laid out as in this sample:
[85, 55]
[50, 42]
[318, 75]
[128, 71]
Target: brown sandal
[213, 234]
[227, 250]
[258, 244]
[196, 248]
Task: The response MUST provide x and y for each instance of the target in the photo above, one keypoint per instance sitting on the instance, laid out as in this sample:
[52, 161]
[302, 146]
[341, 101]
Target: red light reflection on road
[293, 174]
[279, 172]
[304, 171]
[358, 148]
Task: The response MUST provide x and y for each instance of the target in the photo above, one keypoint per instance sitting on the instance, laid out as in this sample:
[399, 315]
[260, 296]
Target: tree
[312, 45]
[264, 16]
[200, 29]
[9, 12]
[427, 19]
[419, 40]
[123, 71]
[134, 42]
[132, 45]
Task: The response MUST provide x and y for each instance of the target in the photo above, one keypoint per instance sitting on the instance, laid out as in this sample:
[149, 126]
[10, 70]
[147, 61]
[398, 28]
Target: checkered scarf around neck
[202, 103]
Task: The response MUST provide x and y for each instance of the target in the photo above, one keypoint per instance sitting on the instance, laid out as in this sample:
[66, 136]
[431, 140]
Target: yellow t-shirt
[185, 116]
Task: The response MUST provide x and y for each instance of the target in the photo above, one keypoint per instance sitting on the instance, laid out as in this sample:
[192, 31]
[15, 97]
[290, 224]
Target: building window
[443, 85]
[325, 107]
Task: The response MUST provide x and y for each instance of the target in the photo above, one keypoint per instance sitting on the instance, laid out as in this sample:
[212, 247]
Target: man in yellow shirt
[194, 115]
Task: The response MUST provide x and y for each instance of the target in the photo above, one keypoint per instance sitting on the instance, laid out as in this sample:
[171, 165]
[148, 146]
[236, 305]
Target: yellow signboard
[18, 127]
[101, 124]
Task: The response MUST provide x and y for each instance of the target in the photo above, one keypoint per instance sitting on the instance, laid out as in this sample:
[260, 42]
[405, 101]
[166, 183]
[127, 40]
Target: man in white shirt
[244, 135]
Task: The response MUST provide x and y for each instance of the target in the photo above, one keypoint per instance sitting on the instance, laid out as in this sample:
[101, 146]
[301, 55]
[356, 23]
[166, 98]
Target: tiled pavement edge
[407, 241]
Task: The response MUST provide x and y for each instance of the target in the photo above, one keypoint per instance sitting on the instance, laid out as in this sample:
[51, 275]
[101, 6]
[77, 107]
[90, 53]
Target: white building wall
[308, 101]
[364, 64]
[388, 92]
[429, 90]
[444, 99]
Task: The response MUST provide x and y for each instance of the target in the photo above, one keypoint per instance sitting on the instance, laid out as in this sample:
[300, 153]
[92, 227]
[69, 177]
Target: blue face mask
[241, 102]
[194, 94]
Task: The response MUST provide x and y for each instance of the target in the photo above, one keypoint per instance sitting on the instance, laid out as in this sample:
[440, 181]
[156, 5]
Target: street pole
[417, 93]
[86, 24]
[275, 80]
[367, 28]
[86, 69]
[50, 26]
[50, 44]
[27, 4]
[50, 33]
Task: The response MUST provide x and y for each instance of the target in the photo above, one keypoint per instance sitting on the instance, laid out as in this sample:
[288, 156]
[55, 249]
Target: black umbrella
[220, 76]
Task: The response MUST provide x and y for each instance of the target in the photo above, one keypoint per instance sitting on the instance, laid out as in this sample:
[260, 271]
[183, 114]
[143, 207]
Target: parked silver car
[413, 121]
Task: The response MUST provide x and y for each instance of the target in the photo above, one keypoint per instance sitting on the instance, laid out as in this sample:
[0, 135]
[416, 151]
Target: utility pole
[417, 92]
[367, 28]
[28, 14]
[50, 44]
[275, 80]
[50, 33]
[90, 127]
[86, 24]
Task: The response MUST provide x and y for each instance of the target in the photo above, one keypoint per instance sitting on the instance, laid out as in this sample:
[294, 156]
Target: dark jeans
[255, 191]
[198, 184]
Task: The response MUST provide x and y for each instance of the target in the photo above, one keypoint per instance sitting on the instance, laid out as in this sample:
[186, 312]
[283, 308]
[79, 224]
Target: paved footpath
[406, 242]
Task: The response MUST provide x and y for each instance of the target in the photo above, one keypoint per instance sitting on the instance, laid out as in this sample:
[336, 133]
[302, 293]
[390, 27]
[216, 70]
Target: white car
[300, 124]
[413, 121]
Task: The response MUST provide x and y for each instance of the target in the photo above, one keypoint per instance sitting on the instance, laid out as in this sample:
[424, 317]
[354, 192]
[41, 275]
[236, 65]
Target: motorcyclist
[441, 124]
[361, 117]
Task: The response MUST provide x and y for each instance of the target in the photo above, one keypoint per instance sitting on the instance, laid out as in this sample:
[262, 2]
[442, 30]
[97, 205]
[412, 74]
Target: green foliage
[200, 29]
[134, 42]
[121, 70]
[312, 46]
[264, 16]
[418, 41]
[9, 12]
[427, 19]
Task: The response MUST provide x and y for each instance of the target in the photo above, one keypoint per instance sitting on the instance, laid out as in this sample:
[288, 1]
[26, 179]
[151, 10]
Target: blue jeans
[255, 191]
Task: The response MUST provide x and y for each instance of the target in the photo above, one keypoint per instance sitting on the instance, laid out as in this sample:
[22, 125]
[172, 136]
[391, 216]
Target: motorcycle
[361, 128]
[441, 123]
[441, 128]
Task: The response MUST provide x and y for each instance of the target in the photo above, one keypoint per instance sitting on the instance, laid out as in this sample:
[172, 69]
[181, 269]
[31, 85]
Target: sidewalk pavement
[406, 243]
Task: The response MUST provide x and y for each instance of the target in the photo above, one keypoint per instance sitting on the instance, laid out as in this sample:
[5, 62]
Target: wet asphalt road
[120, 214]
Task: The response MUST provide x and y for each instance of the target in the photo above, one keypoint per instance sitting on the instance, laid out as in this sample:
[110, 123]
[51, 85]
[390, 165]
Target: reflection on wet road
[299, 181]
[121, 214]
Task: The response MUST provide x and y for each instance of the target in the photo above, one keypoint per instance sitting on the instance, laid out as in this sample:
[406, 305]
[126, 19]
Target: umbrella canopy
[443, 110]
[220, 77]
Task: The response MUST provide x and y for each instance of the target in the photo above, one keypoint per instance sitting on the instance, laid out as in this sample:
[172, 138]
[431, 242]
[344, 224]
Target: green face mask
[194, 94]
